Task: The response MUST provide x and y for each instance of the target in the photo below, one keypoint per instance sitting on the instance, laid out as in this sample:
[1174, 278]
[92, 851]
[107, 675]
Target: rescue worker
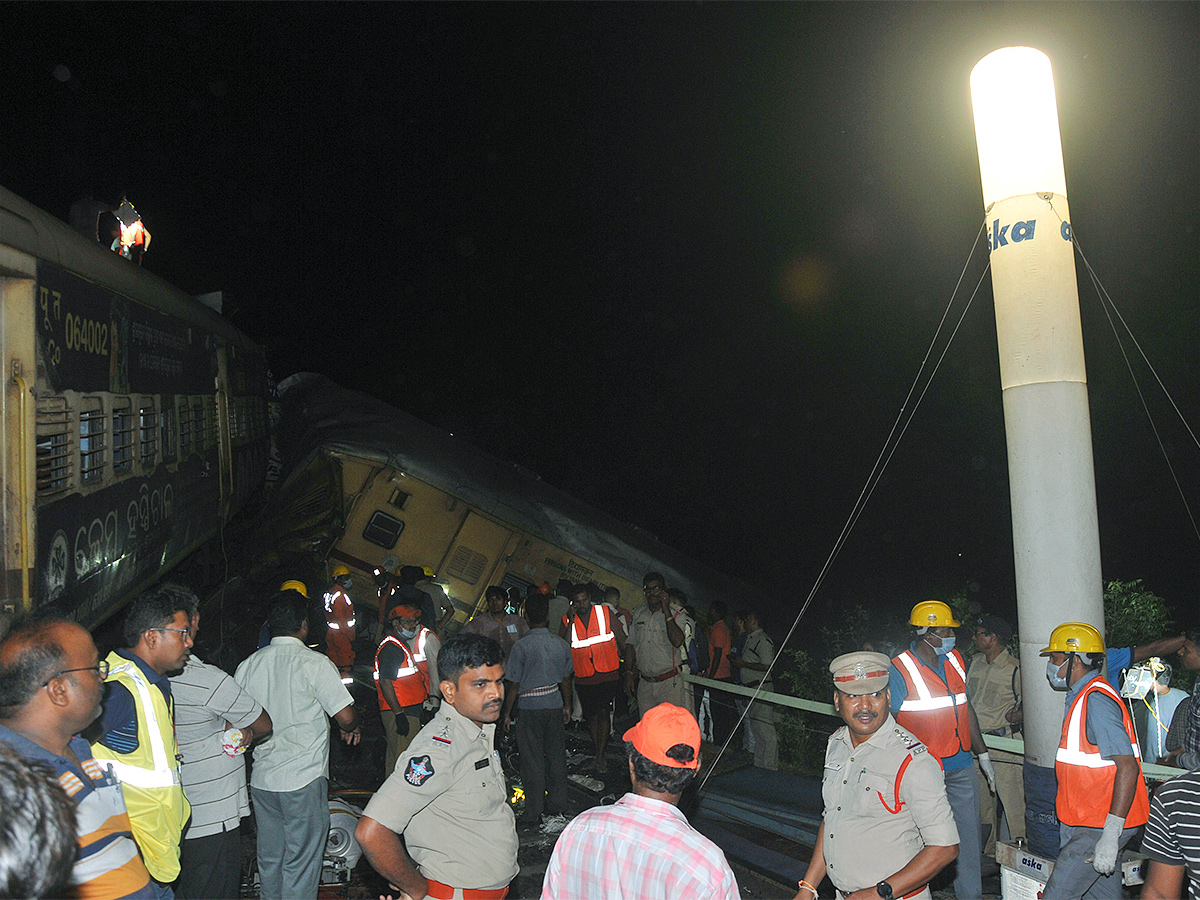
[402, 679]
[449, 798]
[597, 640]
[264, 634]
[929, 698]
[888, 828]
[137, 731]
[339, 620]
[1102, 795]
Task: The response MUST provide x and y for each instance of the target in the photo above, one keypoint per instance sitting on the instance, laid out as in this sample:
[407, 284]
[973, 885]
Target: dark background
[681, 260]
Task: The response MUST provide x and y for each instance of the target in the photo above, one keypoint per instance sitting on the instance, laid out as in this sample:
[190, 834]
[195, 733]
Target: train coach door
[224, 438]
[19, 459]
[475, 554]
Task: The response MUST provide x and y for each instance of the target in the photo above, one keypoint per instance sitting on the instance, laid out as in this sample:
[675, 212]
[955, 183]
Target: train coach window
[147, 433]
[167, 429]
[399, 498]
[92, 440]
[383, 530]
[186, 427]
[210, 421]
[53, 445]
[122, 443]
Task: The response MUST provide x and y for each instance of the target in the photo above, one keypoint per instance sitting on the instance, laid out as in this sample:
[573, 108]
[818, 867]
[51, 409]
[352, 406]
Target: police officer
[447, 796]
[888, 828]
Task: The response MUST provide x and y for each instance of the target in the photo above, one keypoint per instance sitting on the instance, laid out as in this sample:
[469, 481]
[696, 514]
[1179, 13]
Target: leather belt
[663, 677]
[439, 891]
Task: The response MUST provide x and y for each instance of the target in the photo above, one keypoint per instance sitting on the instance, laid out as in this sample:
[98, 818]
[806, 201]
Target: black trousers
[210, 868]
[541, 741]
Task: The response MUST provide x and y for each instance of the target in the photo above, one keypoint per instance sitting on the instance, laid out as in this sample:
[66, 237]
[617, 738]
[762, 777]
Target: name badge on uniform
[482, 764]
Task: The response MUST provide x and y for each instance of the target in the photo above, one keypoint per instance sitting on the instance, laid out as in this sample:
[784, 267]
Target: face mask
[405, 633]
[947, 646]
[1057, 681]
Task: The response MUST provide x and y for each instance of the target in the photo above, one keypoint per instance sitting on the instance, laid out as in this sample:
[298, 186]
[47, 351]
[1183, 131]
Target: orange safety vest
[593, 651]
[1085, 778]
[408, 680]
[935, 711]
[339, 617]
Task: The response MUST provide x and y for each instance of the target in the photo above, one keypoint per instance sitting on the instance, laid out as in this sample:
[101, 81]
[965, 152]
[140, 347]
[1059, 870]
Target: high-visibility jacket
[158, 808]
[935, 711]
[594, 647]
[410, 684]
[1085, 778]
[339, 617]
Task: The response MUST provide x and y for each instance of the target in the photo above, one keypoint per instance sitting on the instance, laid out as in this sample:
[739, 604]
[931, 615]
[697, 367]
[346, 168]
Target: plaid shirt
[636, 849]
[1190, 757]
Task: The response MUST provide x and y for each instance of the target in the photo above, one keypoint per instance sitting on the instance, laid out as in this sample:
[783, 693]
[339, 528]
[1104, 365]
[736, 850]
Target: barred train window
[168, 431]
[92, 443]
[122, 417]
[210, 421]
[383, 530]
[147, 433]
[186, 426]
[198, 424]
[53, 447]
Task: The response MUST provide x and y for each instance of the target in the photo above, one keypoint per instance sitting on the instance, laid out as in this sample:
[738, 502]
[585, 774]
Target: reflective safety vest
[409, 682]
[1085, 778]
[158, 809]
[935, 711]
[339, 611]
[594, 649]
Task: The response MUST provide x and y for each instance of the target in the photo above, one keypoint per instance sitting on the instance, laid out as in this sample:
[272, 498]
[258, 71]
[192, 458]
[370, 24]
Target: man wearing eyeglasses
[51, 683]
[137, 731]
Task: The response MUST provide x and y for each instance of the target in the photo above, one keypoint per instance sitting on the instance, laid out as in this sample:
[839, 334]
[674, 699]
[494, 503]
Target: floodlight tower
[1056, 540]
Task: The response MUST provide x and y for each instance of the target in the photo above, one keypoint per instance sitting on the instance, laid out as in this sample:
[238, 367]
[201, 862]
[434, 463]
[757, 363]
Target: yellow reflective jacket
[158, 809]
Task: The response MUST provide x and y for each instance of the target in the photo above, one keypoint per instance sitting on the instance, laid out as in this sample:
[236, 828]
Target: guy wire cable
[904, 418]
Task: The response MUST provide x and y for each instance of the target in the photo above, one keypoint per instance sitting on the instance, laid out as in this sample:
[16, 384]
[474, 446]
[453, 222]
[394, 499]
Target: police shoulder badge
[418, 770]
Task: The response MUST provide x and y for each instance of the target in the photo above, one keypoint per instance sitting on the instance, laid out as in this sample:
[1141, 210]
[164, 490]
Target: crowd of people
[137, 759]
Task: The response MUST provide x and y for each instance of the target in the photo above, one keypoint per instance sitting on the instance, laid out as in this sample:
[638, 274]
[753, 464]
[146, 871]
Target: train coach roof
[31, 230]
[320, 415]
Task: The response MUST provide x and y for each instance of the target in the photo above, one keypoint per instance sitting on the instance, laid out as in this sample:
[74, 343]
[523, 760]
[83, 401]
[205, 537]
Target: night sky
[683, 260]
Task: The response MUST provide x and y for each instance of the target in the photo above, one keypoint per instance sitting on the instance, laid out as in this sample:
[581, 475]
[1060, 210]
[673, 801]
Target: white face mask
[947, 646]
[405, 633]
[1058, 681]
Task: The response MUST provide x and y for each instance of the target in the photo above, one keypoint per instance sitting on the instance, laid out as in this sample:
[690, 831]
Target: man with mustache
[447, 795]
[137, 728]
[888, 828]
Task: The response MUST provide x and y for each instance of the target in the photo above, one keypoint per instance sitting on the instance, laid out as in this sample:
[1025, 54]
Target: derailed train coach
[135, 420]
[369, 486]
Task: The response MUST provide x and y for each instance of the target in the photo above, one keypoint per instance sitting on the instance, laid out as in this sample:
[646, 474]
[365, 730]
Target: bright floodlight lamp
[1016, 125]
[1056, 539]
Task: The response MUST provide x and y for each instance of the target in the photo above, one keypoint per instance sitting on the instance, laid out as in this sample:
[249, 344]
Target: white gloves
[1105, 860]
[989, 771]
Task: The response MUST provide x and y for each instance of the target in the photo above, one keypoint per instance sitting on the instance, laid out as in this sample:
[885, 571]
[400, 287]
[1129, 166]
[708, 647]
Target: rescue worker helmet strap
[932, 614]
[1074, 637]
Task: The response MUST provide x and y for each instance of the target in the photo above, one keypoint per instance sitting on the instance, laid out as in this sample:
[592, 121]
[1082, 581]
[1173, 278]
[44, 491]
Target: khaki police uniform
[995, 688]
[447, 796]
[877, 817]
[865, 841]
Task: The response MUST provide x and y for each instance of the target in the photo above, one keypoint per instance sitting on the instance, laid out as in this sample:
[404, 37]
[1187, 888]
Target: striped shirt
[1172, 834]
[205, 699]
[108, 866]
[637, 849]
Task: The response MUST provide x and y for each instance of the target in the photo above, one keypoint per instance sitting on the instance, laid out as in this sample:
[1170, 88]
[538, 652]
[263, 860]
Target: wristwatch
[885, 891]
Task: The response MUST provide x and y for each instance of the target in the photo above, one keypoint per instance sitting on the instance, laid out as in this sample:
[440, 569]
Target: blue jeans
[293, 827]
[964, 803]
[1073, 875]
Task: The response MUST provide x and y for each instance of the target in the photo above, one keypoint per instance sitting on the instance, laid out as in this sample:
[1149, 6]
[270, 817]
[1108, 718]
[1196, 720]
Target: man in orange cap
[642, 845]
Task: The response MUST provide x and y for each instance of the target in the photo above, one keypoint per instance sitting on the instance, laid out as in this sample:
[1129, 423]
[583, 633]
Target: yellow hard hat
[428, 570]
[295, 586]
[339, 571]
[932, 614]
[1074, 637]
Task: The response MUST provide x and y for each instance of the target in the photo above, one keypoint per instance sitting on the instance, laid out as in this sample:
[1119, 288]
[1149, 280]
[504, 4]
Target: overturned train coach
[407, 493]
[135, 420]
